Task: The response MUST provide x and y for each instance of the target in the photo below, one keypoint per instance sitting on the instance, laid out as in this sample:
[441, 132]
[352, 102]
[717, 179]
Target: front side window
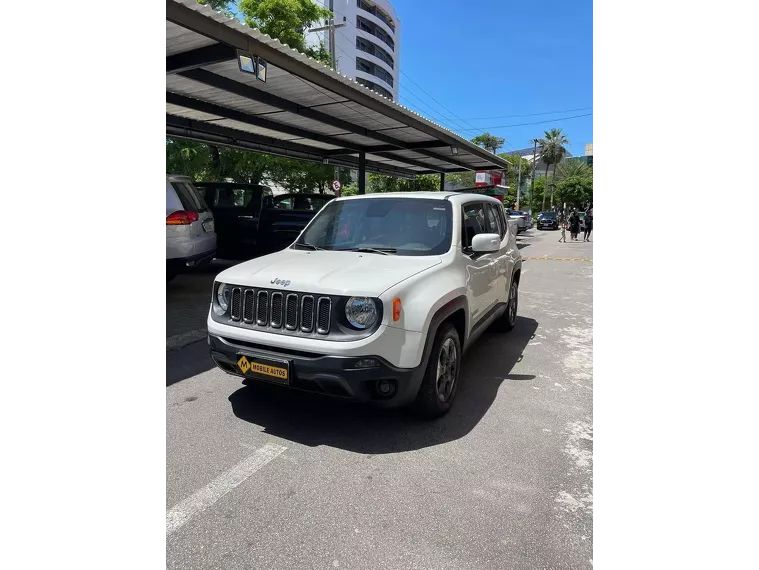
[473, 222]
[401, 226]
[494, 220]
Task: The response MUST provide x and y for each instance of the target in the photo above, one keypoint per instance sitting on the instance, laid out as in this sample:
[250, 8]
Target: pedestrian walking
[563, 227]
[588, 225]
[574, 225]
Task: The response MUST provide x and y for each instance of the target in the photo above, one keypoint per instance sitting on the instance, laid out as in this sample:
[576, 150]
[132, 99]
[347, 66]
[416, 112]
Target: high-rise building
[367, 47]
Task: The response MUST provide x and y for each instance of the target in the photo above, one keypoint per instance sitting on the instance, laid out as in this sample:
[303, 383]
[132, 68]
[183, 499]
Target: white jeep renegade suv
[376, 300]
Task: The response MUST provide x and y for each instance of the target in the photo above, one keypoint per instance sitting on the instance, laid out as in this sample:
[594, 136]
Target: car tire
[508, 320]
[441, 376]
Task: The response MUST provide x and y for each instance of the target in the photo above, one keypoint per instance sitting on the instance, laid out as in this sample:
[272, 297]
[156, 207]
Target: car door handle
[246, 218]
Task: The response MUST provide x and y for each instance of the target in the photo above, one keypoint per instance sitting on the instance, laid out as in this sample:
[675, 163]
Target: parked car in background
[190, 235]
[283, 218]
[521, 218]
[250, 221]
[527, 218]
[548, 220]
[237, 210]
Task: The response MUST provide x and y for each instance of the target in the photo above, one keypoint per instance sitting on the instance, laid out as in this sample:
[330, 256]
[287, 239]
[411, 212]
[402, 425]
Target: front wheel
[441, 376]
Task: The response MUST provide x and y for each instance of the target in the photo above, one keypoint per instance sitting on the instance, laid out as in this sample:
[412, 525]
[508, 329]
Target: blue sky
[495, 58]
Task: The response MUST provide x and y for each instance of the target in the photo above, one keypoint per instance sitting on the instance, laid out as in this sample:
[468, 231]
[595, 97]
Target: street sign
[336, 186]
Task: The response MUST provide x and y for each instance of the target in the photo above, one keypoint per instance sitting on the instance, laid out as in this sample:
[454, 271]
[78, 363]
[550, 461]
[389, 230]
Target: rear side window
[189, 196]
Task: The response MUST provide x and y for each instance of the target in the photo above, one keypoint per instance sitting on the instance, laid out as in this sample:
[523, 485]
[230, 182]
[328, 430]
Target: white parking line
[216, 489]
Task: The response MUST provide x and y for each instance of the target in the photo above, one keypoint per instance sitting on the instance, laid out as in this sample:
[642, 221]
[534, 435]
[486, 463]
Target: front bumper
[327, 374]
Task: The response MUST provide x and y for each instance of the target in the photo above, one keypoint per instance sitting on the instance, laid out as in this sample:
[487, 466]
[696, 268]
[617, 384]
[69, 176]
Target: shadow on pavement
[313, 420]
[187, 362]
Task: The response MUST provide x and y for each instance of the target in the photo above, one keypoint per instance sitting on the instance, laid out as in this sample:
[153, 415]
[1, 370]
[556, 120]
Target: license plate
[277, 371]
[208, 225]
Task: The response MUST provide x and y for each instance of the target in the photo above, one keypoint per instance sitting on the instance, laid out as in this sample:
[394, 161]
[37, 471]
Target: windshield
[402, 226]
[548, 214]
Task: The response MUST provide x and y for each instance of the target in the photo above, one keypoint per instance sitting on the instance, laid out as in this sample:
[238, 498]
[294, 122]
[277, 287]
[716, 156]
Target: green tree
[245, 166]
[489, 142]
[297, 176]
[575, 191]
[534, 197]
[225, 6]
[287, 21]
[513, 178]
[187, 157]
[552, 151]
[383, 183]
[461, 179]
[568, 168]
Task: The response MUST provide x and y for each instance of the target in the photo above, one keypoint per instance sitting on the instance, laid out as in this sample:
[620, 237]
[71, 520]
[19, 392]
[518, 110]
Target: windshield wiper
[310, 245]
[383, 251]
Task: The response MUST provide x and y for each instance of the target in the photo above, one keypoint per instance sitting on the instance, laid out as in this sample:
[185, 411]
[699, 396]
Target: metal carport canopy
[303, 110]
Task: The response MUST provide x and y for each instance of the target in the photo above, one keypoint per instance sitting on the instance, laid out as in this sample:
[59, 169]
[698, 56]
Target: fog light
[384, 387]
[367, 363]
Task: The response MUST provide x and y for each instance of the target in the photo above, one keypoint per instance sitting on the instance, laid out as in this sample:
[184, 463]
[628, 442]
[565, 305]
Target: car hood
[328, 272]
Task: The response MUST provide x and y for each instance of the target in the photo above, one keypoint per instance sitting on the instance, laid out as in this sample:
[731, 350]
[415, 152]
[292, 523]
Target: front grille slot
[247, 306]
[307, 313]
[276, 309]
[296, 313]
[236, 302]
[262, 316]
[323, 310]
[291, 312]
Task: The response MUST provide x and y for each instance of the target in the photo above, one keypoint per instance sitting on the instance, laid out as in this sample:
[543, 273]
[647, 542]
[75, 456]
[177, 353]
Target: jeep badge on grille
[282, 282]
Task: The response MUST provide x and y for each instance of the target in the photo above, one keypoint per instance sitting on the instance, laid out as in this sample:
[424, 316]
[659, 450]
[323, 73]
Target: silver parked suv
[190, 235]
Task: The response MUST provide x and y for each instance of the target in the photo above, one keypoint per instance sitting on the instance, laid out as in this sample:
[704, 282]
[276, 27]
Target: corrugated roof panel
[305, 123]
[190, 88]
[360, 139]
[361, 116]
[229, 123]
[180, 40]
[287, 86]
[407, 134]
[316, 144]
[190, 114]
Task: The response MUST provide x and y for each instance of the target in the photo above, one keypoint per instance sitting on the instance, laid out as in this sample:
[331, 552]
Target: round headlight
[223, 294]
[361, 312]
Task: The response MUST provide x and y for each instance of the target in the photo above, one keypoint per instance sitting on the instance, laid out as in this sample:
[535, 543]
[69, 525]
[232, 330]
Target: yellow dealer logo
[243, 364]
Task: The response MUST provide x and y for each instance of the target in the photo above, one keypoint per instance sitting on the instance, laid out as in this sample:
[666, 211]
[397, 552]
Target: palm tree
[552, 151]
[546, 156]
[570, 168]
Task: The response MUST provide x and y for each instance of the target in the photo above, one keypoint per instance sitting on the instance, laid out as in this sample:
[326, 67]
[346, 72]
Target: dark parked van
[236, 210]
[250, 221]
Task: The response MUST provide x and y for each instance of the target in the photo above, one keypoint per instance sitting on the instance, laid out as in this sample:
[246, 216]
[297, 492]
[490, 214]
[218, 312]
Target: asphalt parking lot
[262, 477]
